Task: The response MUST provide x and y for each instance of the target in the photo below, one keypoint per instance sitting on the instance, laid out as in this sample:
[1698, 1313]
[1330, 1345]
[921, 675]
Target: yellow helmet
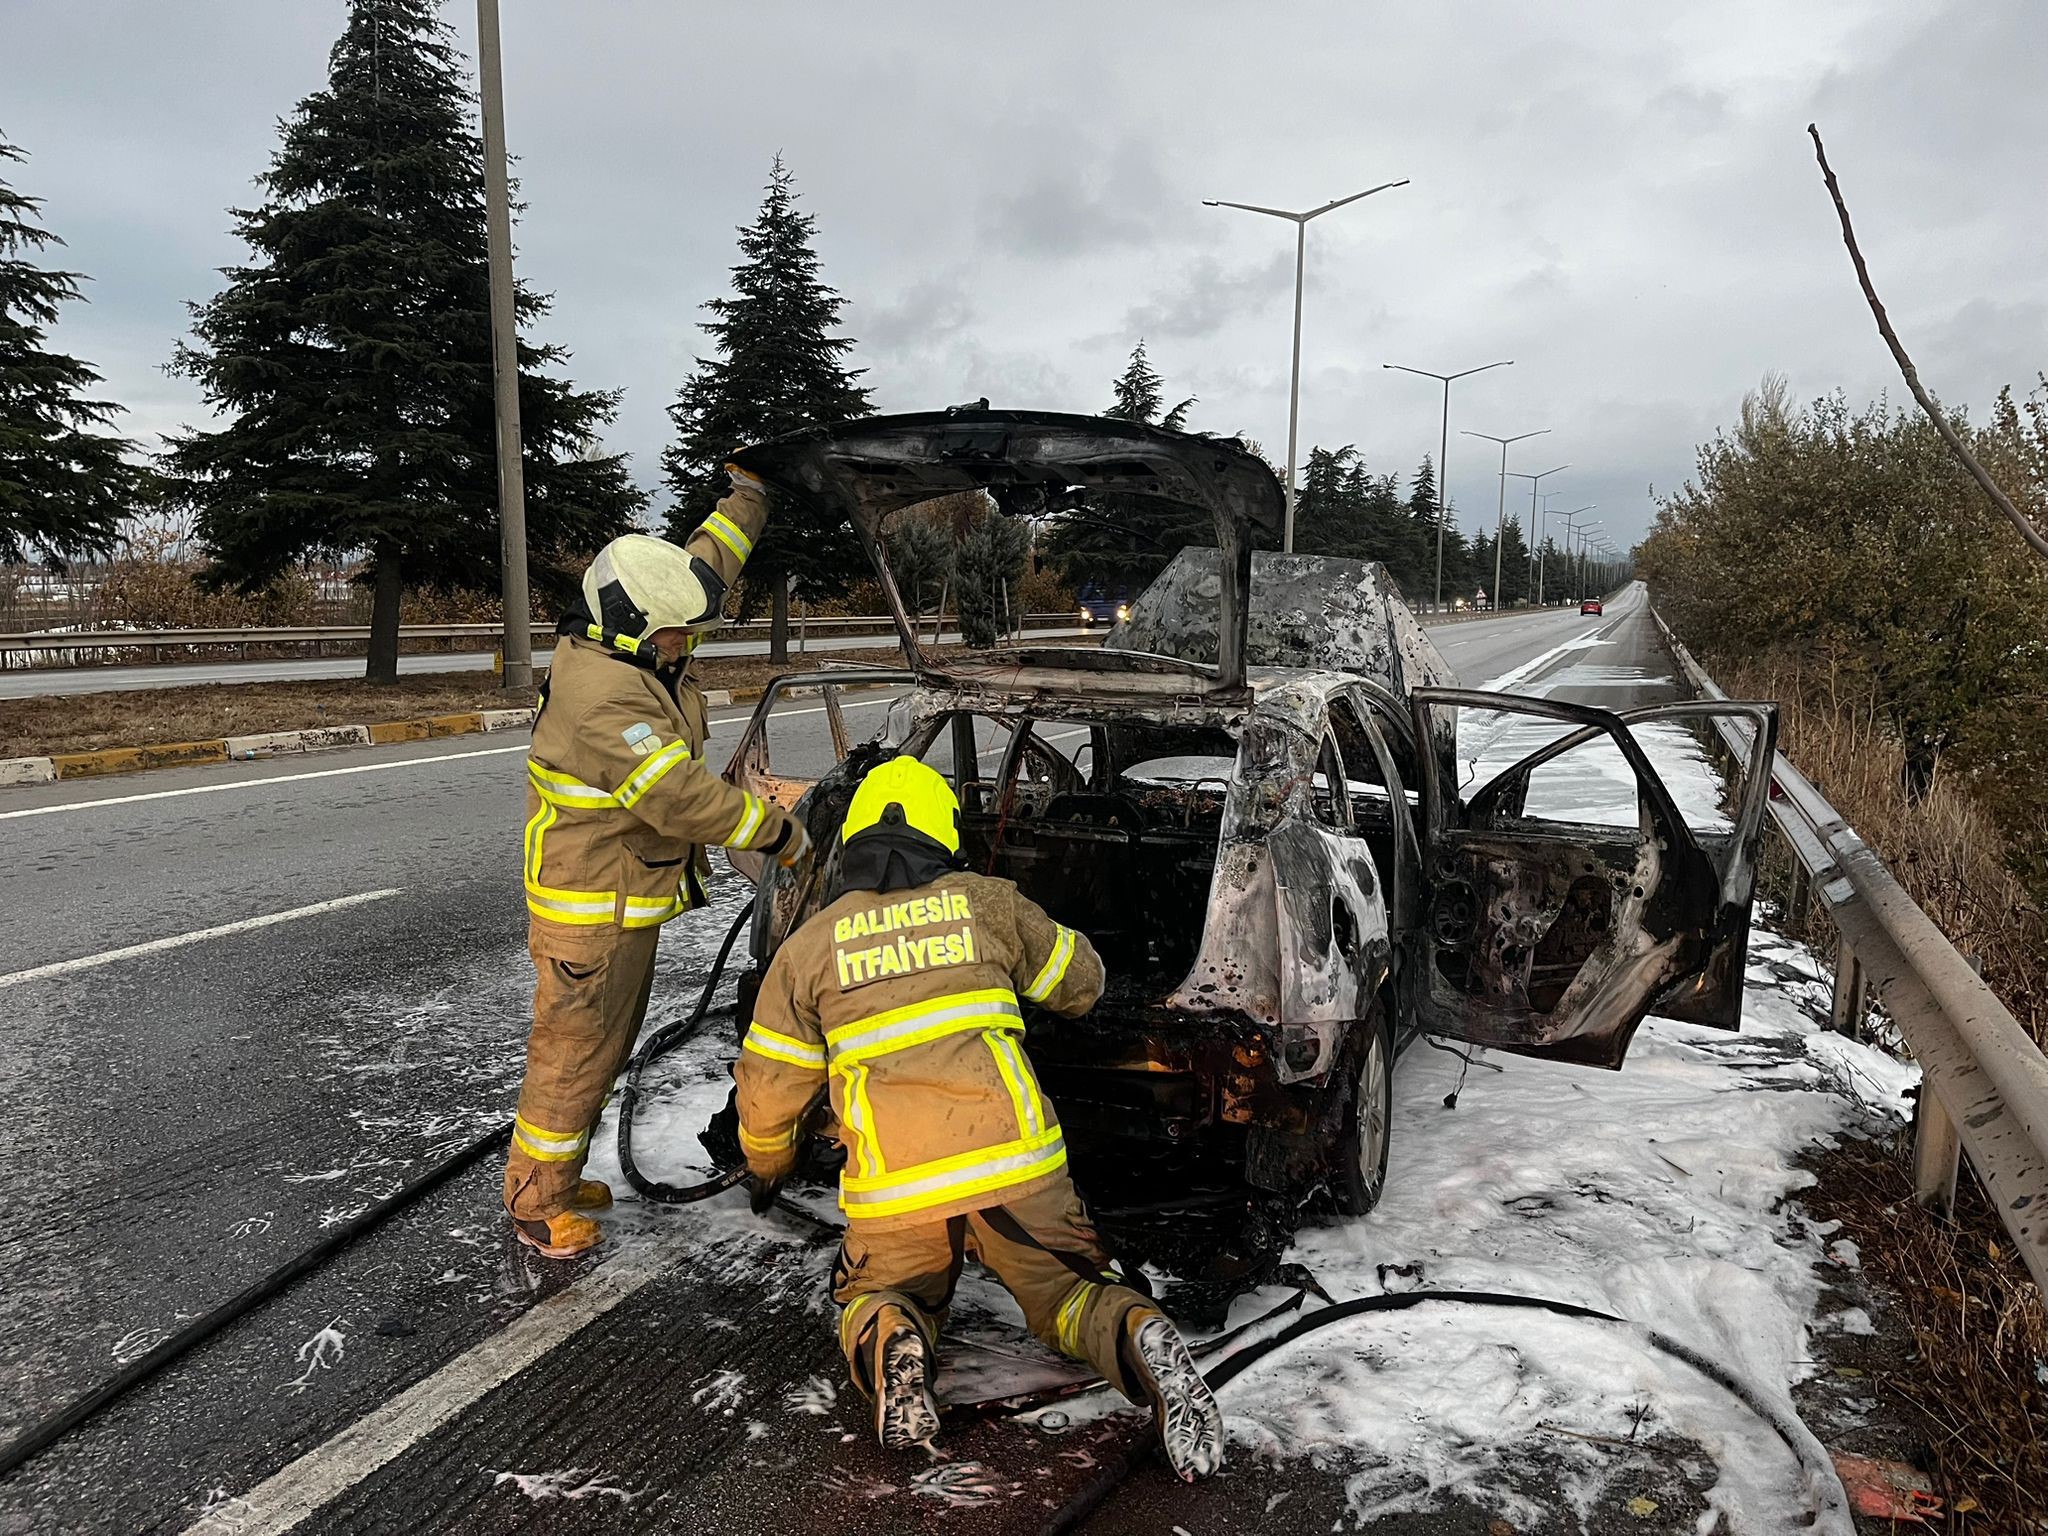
[920, 796]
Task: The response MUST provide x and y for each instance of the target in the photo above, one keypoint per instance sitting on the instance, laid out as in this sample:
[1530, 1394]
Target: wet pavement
[190, 1118]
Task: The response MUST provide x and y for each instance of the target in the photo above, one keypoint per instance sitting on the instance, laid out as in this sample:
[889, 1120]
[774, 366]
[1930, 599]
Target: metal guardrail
[1984, 1082]
[21, 649]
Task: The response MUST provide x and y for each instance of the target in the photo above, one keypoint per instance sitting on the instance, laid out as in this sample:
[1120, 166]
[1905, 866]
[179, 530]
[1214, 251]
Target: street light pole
[1535, 533]
[1500, 520]
[1443, 452]
[518, 641]
[1300, 221]
[1567, 516]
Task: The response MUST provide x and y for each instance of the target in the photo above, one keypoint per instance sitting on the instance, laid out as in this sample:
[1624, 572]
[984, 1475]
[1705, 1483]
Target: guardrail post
[1937, 1153]
[1795, 903]
[1845, 1015]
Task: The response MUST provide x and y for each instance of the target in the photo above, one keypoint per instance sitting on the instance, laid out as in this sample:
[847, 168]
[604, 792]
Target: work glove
[745, 480]
[761, 1193]
[796, 848]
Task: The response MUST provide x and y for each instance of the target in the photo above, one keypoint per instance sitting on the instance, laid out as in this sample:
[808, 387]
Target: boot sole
[552, 1250]
[1184, 1409]
[905, 1413]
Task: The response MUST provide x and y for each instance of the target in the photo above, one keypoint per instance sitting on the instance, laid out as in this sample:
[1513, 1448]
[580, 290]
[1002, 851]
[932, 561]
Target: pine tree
[353, 355]
[1124, 540]
[780, 369]
[63, 486]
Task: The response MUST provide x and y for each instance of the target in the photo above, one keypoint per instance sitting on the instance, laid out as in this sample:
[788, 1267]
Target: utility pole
[1443, 452]
[1500, 521]
[518, 641]
[1535, 532]
[1567, 516]
[1300, 222]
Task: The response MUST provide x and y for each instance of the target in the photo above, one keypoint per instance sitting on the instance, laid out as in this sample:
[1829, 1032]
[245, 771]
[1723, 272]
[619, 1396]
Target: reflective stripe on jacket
[619, 800]
[911, 1005]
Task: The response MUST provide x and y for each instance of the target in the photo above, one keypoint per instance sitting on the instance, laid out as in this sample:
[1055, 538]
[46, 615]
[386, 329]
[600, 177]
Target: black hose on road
[658, 1045]
[40, 1437]
[1831, 1515]
[33, 1441]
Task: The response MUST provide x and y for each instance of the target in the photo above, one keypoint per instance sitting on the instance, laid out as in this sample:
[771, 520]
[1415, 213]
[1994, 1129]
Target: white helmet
[638, 584]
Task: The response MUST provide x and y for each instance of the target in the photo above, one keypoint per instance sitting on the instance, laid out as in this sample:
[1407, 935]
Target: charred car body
[1250, 801]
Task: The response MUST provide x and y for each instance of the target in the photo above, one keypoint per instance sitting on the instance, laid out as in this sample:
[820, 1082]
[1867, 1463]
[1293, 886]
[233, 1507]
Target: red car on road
[1590, 605]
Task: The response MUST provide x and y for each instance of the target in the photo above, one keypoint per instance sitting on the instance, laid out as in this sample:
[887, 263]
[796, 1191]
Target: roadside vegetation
[1840, 561]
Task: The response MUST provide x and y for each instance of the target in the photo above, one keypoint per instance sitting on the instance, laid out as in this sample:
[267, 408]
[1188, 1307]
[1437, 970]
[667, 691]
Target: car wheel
[1359, 1169]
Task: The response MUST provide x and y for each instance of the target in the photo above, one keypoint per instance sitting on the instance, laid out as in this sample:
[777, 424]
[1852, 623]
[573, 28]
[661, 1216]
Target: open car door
[1567, 895]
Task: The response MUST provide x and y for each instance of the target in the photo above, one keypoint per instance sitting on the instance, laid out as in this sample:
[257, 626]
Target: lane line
[179, 941]
[281, 778]
[331, 773]
[301, 1488]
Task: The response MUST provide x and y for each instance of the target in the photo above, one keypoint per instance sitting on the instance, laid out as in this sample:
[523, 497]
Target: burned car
[1253, 800]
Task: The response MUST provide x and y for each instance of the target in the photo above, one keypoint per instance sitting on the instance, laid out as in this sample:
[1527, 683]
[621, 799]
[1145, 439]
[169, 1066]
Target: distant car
[1590, 605]
[1104, 602]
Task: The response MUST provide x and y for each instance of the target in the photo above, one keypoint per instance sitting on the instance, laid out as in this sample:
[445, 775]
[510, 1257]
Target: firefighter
[905, 996]
[620, 810]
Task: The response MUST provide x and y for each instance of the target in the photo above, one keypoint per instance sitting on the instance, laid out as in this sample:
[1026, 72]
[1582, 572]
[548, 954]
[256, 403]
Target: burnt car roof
[1034, 462]
[1313, 612]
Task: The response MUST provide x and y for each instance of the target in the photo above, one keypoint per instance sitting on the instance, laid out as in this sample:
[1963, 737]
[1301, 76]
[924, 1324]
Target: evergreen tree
[63, 486]
[988, 574]
[1125, 540]
[353, 355]
[780, 369]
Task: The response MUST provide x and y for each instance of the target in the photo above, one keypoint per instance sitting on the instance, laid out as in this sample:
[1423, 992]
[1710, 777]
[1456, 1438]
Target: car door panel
[1554, 938]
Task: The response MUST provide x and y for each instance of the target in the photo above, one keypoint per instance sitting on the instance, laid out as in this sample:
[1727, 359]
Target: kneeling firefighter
[904, 993]
[620, 807]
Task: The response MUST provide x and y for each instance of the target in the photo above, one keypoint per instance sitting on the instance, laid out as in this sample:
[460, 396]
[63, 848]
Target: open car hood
[1033, 463]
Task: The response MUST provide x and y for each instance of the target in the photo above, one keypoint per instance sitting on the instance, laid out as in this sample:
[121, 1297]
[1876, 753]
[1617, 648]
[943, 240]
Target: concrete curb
[264, 744]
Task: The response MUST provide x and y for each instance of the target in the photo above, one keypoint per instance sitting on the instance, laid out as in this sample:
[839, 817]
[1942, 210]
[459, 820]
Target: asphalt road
[330, 995]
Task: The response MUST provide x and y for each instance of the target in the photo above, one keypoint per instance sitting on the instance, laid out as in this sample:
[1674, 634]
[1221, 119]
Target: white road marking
[282, 778]
[178, 941]
[300, 1489]
[330, 773]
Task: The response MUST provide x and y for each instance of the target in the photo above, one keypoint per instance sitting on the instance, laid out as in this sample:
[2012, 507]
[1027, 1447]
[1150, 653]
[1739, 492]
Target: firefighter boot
[561, 1236]
[906, 1413]
[591, 1195]
[1183, 1408]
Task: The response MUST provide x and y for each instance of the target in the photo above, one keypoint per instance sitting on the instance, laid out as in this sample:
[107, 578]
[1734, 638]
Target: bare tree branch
[1912, 375]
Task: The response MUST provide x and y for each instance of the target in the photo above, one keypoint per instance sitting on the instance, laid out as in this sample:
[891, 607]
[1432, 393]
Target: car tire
[1358, 1171]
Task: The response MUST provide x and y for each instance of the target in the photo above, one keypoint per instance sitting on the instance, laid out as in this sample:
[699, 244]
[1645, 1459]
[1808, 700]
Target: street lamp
[1300, 221]
[518, 641]
[1443, 452]
[1535, 532]
[1567, 516]
[1500, 521]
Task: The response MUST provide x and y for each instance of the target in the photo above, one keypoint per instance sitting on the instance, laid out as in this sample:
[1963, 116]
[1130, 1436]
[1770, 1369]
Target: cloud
[1208, 294]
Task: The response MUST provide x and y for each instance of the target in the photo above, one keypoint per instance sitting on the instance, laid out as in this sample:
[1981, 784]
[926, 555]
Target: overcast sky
[1620, 197]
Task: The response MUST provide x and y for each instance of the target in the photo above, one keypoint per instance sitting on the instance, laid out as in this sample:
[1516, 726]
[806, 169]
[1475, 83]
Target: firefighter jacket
[909, 1003]
[620, 803]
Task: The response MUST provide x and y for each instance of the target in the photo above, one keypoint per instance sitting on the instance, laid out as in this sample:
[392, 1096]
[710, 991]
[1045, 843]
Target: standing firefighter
[620, 808]
[904, 995]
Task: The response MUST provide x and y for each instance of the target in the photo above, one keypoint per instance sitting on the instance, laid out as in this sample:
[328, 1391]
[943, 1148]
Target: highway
[245, 1000]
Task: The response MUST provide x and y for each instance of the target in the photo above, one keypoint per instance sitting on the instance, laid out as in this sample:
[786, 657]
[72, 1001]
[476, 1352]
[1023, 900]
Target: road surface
[245, 1000]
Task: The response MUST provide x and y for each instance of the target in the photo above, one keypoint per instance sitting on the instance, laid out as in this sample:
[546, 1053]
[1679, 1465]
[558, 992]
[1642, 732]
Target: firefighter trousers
[589, 1001]
[1042, 1248]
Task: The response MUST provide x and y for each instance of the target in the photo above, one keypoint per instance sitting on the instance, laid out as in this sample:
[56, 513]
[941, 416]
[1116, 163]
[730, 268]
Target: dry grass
[1942, 846]
[1975, 1388]
[86, 722]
